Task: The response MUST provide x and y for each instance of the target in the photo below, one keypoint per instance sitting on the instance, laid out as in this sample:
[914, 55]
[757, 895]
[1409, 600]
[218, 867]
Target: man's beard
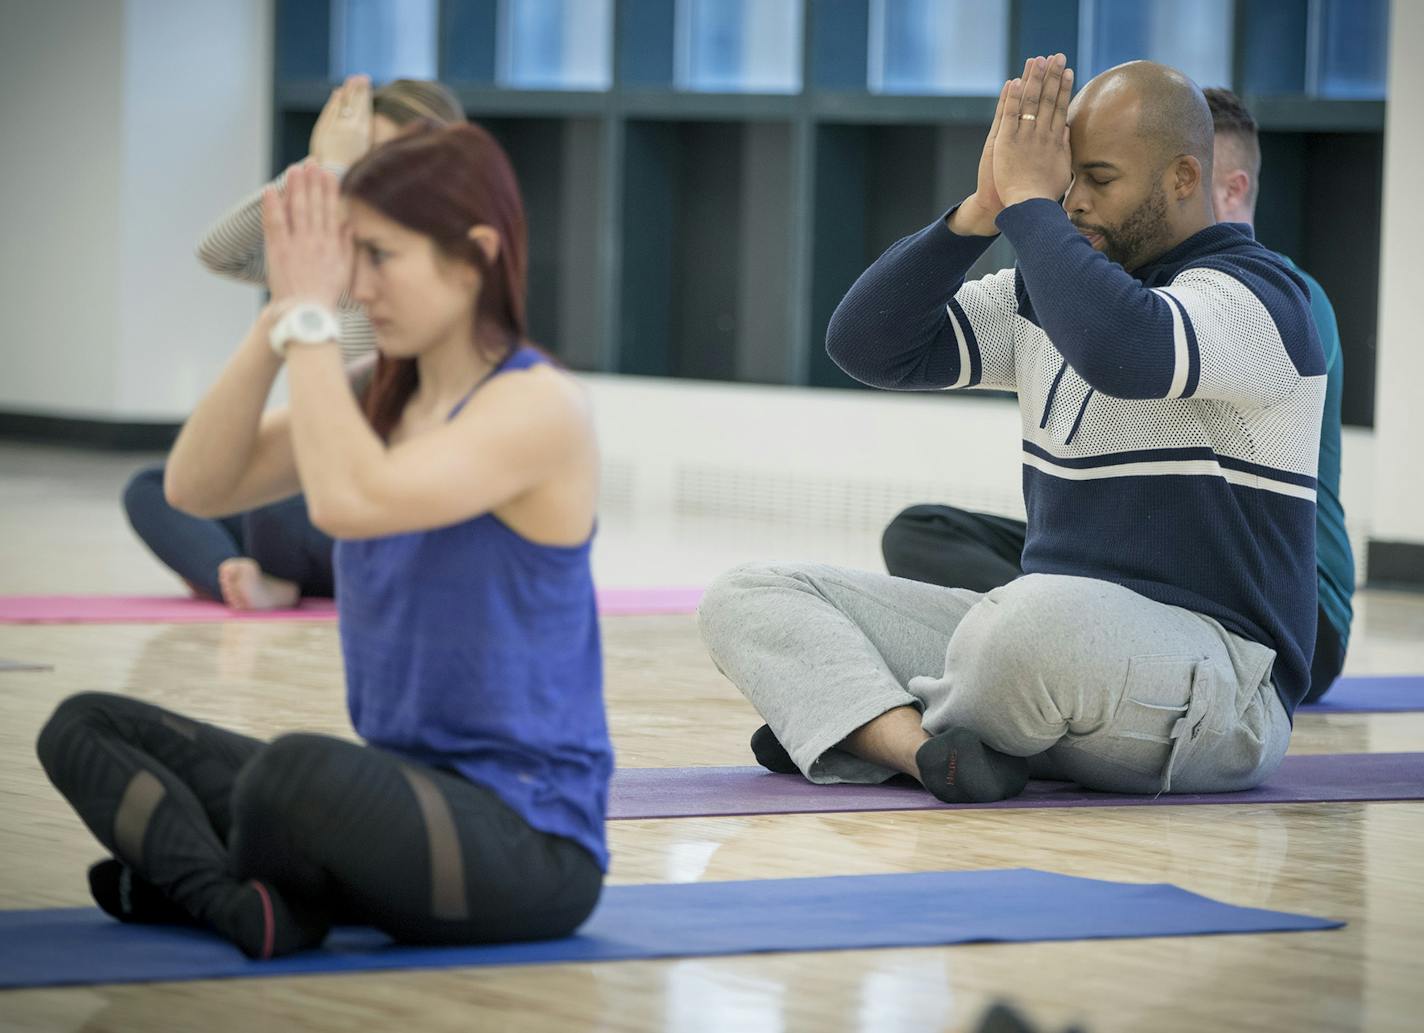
[1138, 238]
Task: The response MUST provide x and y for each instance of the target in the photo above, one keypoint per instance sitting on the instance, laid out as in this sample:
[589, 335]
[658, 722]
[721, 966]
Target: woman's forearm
[233, 247]
[337, 452]
[219, 440]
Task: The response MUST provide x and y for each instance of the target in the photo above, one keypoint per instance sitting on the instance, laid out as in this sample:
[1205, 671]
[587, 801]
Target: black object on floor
[770, 754]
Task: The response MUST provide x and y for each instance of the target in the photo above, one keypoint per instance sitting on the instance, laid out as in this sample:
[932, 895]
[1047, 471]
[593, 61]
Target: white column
[128, 126]
[61, 123]
[1398, 505]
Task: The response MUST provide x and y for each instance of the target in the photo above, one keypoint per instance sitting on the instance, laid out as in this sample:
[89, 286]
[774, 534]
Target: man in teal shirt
[980, 551]
[1235, 176]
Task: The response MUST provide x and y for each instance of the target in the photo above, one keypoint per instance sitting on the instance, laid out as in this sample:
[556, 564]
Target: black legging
[280, 537]
[956, 548]
[268, 844]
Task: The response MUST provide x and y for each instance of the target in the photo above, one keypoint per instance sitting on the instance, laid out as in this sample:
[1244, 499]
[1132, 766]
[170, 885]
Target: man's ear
[1186, 177]
[1238, 185]
[487, 239]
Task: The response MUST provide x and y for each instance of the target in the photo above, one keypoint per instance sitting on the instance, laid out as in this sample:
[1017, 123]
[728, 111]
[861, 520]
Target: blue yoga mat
[924, 909]
[1369, 694]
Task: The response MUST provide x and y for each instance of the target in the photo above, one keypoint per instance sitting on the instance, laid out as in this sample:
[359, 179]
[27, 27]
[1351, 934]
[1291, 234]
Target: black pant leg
[154, 787]
[1328, 660]
[286, 544]
[421, 853]
[955, 548]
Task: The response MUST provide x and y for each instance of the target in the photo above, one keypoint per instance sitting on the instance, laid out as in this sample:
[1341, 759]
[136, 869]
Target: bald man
[963, 549]
[1170, 383]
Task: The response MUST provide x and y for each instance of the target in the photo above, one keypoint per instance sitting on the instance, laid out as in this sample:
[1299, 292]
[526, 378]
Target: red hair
[440, 182]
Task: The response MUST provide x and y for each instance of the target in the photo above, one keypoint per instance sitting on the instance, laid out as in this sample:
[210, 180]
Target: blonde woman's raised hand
[342, 133]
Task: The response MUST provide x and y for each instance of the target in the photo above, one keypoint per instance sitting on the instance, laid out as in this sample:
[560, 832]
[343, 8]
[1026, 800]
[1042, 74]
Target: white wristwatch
[305, 323]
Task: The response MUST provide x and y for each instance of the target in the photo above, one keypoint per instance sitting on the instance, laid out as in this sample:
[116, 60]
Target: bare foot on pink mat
[245, 587]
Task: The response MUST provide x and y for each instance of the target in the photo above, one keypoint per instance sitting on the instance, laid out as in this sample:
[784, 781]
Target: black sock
[262, 928]
[264, 924]
[121, 892]
[1000, 1018]
[957, 768]
[770, 754]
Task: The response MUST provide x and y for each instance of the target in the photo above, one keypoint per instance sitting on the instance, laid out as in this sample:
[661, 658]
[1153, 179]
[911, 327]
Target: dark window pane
[1350, 46]
[742, 46]
[1193, 38]
[938, 46]
[385, 39]
[556, 44]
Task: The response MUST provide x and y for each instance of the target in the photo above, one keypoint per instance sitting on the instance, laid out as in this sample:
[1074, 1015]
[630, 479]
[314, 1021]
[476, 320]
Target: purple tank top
[471, 648]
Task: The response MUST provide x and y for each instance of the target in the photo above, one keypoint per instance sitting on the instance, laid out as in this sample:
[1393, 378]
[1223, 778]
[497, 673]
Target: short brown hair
[404, 101]
[1231, 120]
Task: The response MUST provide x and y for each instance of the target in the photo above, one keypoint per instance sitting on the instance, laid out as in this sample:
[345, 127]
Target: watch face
[310, 323]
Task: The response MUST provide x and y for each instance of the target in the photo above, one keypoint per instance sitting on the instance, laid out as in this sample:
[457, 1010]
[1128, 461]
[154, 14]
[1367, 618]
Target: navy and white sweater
[1171, 419]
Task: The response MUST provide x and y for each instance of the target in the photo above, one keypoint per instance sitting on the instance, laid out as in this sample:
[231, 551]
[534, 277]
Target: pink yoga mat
[647, 602]
[119, 609]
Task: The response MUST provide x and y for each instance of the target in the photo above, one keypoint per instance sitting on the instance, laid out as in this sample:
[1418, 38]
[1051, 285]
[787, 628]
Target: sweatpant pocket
[1229, 757]
[1147, 723]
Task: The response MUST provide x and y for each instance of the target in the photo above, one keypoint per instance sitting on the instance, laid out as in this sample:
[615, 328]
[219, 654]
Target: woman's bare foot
[245, 587]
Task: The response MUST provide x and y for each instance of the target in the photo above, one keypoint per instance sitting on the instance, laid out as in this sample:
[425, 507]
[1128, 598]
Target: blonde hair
[404, 101]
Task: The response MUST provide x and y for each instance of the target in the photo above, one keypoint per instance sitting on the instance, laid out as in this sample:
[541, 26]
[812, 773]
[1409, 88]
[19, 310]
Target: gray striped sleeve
[233, 247]
[358, 339]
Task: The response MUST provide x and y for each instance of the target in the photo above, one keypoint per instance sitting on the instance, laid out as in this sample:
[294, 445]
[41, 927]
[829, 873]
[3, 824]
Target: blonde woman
[271, 557]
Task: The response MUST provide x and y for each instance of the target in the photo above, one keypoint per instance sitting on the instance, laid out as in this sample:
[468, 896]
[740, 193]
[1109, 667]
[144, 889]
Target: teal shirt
[1335, 563]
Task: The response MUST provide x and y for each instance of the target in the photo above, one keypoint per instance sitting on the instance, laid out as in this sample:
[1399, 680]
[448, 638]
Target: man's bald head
[1160, 103]
[1141, 138]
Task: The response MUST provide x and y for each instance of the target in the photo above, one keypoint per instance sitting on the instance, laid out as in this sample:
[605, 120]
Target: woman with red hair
[460, 481]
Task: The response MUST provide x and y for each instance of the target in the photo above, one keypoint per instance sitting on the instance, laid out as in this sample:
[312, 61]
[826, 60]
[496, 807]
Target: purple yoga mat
[1370, 694]
[714, 791]
[121, 609]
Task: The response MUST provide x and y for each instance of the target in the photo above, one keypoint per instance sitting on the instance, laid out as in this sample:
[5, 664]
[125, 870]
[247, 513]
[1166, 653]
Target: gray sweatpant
[1098, 684]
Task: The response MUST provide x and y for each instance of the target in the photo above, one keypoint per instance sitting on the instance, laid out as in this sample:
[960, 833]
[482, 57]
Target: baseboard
[1395, 565]
[108, 435]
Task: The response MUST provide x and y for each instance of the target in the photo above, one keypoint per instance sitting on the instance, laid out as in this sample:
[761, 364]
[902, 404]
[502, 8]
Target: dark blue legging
[280, 537]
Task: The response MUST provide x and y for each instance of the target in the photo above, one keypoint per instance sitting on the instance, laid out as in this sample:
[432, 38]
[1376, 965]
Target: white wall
[61, 127]
[1398, 503]
[835, 460]
[205, 67]
[822, 457]
[128, 127]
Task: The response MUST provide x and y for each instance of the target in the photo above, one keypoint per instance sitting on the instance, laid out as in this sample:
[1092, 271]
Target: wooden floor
[668, 706]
